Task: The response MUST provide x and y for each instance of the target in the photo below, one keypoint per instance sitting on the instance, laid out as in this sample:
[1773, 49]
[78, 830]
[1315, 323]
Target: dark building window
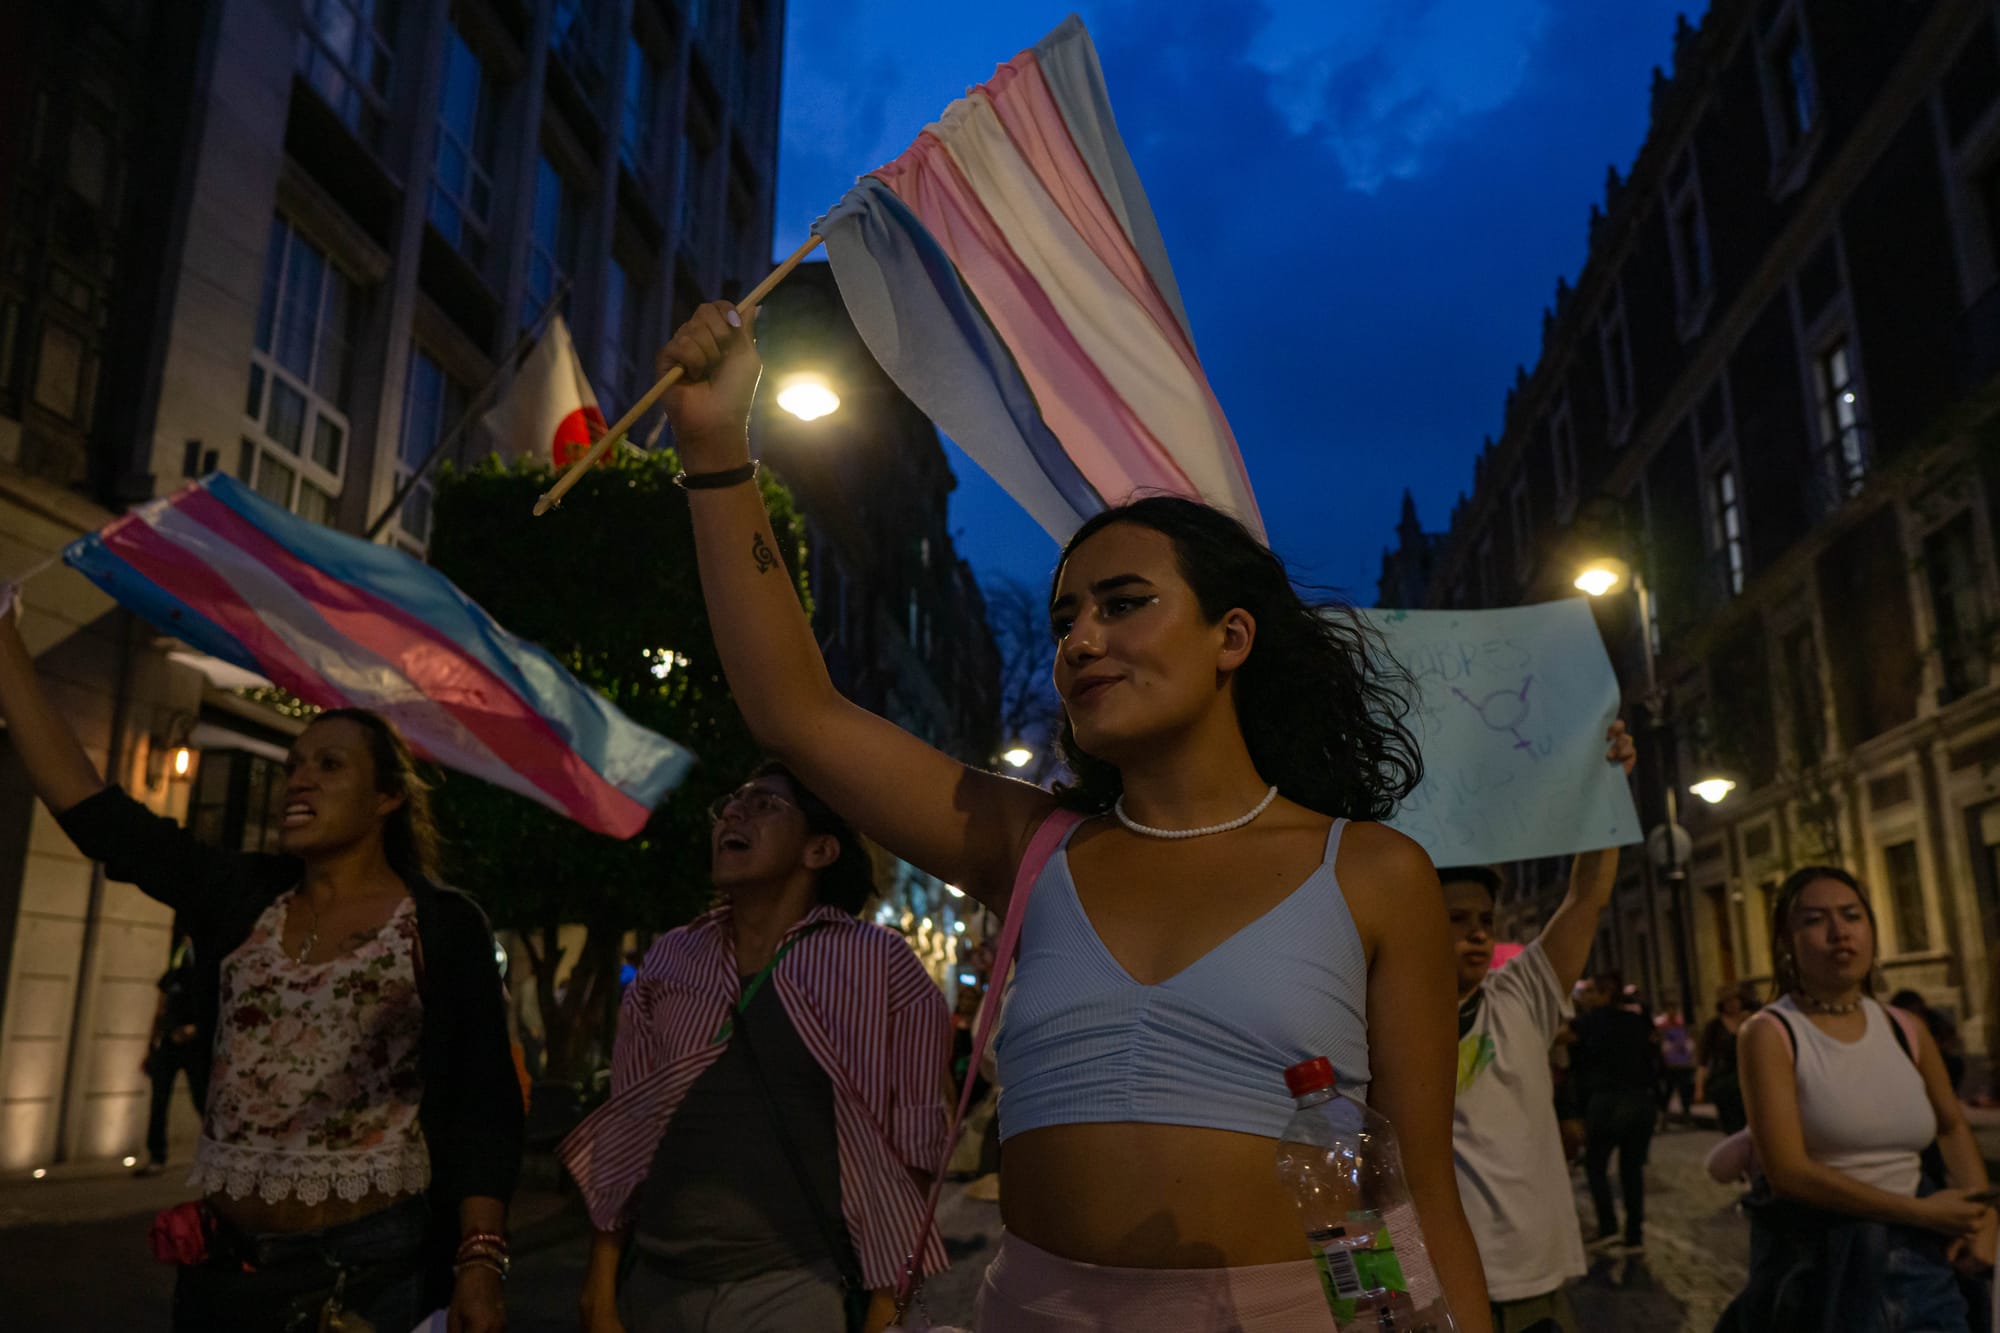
[1794, 90]
[1843, 452]
[635, 131]
[552, 248]
[347, 53]
[238, 800]
[1957, 617]
[432, 404]
[1562, 452]
[1726, 528]
[1687, 234]
[462, 180]
[1616, 347]
[1906, 892]
[1802, 691]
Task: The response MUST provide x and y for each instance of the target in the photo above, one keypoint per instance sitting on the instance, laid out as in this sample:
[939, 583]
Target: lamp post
[808, 396]
[1601, 578]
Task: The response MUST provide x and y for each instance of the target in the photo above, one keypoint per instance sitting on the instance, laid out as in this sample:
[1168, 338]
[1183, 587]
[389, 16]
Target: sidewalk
[73, 1251]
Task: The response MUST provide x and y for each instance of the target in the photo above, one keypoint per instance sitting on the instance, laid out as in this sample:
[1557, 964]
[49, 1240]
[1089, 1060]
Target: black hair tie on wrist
[715, 481]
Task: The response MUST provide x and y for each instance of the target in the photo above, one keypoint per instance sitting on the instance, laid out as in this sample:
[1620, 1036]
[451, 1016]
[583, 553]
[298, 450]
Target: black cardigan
[471, 1110]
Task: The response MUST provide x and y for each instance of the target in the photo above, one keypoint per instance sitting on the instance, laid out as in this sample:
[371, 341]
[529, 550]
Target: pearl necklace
[1819, 1006]
[1118, 808]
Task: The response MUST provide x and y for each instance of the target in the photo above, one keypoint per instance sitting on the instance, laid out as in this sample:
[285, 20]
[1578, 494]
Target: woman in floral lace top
[363, 1128]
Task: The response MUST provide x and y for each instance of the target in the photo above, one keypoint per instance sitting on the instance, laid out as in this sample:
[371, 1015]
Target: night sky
[1367, 204]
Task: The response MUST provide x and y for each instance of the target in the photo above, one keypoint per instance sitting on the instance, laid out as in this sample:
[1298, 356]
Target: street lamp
[1713, 789]
[1600, 577]
[1017, 754]
[808, 397]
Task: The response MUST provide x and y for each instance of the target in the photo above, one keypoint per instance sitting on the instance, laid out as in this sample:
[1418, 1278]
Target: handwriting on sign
[1510, 713]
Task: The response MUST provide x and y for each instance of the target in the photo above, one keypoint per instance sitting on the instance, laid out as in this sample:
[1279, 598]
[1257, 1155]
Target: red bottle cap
[1310, 1076]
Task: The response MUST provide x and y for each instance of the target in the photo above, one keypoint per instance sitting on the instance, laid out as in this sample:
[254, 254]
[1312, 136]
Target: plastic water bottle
[1340, 1162]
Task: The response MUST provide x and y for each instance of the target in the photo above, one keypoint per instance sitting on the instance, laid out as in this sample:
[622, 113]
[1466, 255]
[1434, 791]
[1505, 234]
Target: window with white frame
[552, 246]
[635, 130]
[1905, 882]
[1615, 345]
[294, 446]
[461, 203]
[433, 402]
[1791, 89]
[347, 52]
[1958, 613]
[1687, 237]
[1562, 452]
[1725, 526]
[1843, 450]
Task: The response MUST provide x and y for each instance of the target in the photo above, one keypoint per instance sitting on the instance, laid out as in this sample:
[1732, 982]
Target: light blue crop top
[1081, 1042]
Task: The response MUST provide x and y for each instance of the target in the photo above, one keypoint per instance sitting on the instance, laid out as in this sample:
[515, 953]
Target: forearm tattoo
[760, 551]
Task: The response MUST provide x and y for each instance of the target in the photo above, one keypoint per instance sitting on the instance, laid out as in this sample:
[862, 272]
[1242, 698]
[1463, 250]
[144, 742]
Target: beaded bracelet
[473, 1239]
[498, 1263]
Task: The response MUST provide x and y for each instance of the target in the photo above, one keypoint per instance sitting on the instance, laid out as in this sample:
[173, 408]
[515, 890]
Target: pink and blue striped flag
[1007, 272]
[342, 622]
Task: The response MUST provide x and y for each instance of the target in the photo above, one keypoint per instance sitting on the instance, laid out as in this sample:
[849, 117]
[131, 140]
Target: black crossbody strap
[832, 1232]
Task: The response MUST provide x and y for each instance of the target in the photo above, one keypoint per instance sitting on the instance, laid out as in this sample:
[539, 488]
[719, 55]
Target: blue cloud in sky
[1377, 83]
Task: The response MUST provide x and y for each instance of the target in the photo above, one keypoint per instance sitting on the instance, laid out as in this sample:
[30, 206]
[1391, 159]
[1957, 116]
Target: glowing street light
[1713, 789]
[1017, 753]
[1603, 576]
[808, 397]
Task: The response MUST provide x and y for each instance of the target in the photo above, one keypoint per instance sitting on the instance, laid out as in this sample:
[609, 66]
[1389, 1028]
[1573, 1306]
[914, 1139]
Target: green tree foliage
[606, 583]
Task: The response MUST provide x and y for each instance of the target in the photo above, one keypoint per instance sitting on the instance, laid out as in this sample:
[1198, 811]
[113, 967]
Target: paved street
[73, 1253]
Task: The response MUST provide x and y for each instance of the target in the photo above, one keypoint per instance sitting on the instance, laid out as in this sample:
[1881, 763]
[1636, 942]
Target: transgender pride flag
[342, 622]
[1007, 273]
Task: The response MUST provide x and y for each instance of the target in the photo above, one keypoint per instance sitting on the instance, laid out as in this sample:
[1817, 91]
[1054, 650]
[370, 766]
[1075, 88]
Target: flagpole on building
[639, 409]
[508, 364]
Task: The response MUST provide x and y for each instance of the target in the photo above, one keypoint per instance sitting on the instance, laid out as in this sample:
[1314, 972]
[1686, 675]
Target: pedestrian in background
[1715, 1076]
[1513, 1175]
[1617, 1054]
[1943, 1031]
[1844, 1098]
[178, 1046]
[1677, 1064]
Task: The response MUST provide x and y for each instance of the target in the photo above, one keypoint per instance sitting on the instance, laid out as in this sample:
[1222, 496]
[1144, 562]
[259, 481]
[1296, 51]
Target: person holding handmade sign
[1230, 906]
[363, 1125]
[1512, 1173]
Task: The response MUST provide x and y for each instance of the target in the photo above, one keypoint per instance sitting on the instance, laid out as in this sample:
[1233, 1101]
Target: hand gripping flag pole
[639, 409]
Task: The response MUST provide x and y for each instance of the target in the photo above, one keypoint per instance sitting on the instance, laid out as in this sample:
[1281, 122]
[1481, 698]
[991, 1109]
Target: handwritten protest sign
[1511, 712]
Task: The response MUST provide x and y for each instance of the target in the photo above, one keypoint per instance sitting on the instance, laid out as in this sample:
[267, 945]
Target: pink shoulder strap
[1041, 848]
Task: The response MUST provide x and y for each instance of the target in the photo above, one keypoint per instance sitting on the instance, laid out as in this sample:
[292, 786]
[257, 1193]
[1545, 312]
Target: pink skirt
[1029, 1290]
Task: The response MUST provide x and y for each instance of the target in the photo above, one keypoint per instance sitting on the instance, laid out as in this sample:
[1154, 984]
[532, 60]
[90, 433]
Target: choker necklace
[1118, 808]
[1819, 1006]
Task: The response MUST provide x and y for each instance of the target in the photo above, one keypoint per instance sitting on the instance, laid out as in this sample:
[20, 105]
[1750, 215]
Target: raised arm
[1413, 1042]
[964, 825]
[1566, 939]
[58, 769]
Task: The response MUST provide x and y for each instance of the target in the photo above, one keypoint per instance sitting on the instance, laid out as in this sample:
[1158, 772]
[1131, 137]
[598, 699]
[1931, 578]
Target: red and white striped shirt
[870, 1015]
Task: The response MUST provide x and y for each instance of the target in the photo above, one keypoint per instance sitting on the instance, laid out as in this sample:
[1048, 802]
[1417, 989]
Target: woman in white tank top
[1842, 1106]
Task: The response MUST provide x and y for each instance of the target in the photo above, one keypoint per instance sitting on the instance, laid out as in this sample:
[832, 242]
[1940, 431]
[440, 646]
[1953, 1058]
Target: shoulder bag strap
[1041, 848]
[832, 1232]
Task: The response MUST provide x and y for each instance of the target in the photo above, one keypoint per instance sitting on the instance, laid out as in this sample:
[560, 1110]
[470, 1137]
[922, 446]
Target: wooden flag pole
[639, 409]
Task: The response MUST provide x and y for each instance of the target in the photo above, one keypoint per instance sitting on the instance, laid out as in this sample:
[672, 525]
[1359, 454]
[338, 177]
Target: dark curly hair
[850, 879]
[1785, 976]
[1320, 700]
[409, 834]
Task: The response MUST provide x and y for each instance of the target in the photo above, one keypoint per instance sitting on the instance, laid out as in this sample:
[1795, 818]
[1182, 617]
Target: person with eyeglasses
[776, 1095]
